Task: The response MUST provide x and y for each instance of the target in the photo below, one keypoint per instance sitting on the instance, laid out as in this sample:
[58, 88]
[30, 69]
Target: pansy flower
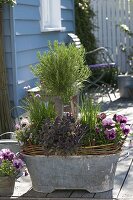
[6, 154]
[108, 122]
[125, 128]
[120, 118]
[18, 163]
[110, 134]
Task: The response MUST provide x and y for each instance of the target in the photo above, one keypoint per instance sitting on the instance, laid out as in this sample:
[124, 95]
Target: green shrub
[127, 50]
[85, 26]
[62, 70]
[109, 77]
[10, 2]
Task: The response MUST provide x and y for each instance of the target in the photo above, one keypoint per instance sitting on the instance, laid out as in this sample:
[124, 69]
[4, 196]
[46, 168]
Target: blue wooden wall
[23, 39]
[9, 52]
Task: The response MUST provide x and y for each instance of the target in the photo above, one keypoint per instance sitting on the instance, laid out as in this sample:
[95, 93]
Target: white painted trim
[50, 15]
[53, 29]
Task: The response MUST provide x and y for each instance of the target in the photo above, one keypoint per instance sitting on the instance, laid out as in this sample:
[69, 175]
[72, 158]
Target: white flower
[27, 87]
[80, 4]
[125, 27]
[24, 122]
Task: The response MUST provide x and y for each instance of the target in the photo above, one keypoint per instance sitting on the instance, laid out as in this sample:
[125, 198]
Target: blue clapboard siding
[8, 51]
[28, 40]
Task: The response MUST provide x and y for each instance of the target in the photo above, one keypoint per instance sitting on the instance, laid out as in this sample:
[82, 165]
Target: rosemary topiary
[62, 70]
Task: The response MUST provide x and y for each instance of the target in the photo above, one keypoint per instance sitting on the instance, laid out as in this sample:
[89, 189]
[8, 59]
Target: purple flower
[120, 118]
[125, 128]
[38, 95]
[6, 154]
[11, 164]
[122, 125]
[18, 163]
[110, 134]
[1, 156]
[97, 129]
[0, 160]
[107, 122]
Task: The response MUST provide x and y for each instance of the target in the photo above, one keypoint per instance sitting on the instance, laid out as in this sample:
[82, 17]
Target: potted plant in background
[10, 166]
[62, 71]
[64, 153]
[125, 80]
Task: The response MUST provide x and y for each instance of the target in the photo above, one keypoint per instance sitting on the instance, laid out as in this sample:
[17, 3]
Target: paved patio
[124, 174]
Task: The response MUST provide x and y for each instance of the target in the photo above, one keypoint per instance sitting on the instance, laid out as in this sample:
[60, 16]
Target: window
[50, 15]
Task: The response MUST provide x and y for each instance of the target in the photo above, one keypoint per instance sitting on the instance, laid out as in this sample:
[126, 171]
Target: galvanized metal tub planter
[125, 83]
[7, 184]
[11, 144]
[94, 173]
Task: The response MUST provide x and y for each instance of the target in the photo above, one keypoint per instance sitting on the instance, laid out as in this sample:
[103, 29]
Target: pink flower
[17, 127]
[6, 154]
[125, 128]
[9, 163]
[120, 118]
[0, 161]
[110, 134]
[107, 122]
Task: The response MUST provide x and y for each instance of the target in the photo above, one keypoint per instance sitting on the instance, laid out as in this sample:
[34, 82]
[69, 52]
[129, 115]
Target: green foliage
[62, 70]
[7, 168]
[110, 76]
[10, 2]
[89, 111]
[128, 52]
[24, 134]
[102, 129]
[85, 26]
[126, 29]
[38, 109]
